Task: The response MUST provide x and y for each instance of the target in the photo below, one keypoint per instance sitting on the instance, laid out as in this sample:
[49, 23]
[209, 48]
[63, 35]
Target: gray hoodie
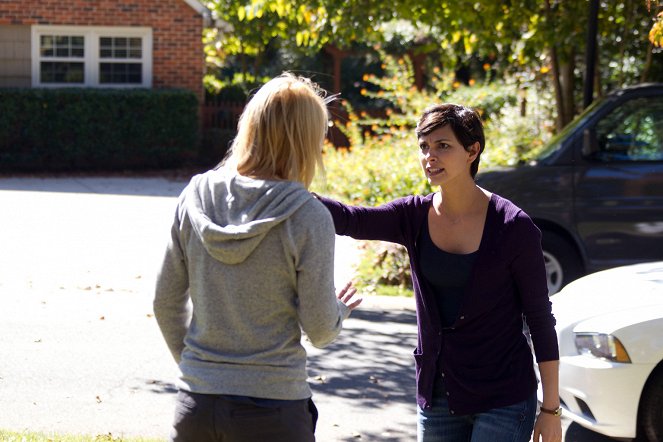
[249, 265]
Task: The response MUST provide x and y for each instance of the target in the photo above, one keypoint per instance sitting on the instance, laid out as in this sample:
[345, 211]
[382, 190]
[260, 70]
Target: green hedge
[96, 129]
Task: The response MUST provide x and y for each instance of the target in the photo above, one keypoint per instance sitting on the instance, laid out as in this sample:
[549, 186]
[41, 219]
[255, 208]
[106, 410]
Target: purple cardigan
[484, 356]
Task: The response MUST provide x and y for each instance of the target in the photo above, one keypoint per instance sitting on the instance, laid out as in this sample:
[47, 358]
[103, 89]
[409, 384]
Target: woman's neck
[459, 201]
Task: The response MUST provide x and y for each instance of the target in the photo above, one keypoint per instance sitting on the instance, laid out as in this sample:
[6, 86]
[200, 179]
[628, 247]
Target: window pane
[62, 41]
[633, 132]
[135, 48]
[62, 72]
[120, 47]
[120, 73]
[46, 46]
[62, 46]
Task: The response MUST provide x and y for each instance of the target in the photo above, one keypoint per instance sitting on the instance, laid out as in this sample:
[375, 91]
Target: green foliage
[384, 269]
[247, 28]
[236, 88]
[375, 170]
[525, 39]
[96, 129]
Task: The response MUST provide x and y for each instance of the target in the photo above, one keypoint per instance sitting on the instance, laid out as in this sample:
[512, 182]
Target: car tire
[563, 263]
[651, 411]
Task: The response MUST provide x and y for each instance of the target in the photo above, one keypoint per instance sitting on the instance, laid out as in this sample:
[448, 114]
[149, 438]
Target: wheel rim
[554, 273]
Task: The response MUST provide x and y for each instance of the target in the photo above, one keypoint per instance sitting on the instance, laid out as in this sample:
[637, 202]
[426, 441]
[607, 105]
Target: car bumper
[600, 395]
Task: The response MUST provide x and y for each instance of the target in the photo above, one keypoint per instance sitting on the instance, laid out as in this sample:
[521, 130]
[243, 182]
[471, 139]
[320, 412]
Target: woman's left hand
[547, 428]
[346, 296]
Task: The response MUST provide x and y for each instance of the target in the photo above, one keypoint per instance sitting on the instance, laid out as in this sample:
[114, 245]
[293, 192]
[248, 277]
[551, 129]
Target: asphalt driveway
[81, 351]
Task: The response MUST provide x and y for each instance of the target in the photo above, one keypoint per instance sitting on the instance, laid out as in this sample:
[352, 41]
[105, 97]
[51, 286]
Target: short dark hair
[464, 121]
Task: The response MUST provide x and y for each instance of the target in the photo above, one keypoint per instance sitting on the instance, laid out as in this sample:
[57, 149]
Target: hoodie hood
[231, 213]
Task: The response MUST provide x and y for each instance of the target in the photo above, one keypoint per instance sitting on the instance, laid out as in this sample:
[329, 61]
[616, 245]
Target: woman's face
[443, 158]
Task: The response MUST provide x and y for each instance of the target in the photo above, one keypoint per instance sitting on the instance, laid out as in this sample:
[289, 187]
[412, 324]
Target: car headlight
[602, 346]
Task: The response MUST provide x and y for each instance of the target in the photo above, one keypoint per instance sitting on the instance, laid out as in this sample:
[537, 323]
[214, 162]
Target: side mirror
[590, 144]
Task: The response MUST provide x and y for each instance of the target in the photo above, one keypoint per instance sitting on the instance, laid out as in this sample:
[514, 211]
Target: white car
[610, 331]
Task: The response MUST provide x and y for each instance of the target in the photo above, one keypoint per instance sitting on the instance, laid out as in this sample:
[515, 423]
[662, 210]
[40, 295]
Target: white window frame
[92, 61]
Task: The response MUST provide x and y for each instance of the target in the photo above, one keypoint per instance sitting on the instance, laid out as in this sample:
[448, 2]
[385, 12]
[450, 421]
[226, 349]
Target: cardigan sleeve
[388, 222]
[529, 273]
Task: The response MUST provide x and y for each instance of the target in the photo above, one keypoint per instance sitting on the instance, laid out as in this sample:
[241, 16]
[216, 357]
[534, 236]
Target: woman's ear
[473, 151]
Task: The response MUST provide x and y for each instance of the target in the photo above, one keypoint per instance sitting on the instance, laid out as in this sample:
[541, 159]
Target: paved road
[81, 352]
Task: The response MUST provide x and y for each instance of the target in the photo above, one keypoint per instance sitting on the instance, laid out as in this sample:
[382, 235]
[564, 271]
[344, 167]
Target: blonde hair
[281, 131]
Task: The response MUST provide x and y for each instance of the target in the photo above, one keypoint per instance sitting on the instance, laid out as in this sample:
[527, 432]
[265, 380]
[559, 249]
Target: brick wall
[178, 58]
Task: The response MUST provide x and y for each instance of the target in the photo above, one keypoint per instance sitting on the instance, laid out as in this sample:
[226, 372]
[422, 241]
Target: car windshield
[558, 139]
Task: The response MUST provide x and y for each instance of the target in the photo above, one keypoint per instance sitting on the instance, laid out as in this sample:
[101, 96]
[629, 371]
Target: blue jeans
[513, 423]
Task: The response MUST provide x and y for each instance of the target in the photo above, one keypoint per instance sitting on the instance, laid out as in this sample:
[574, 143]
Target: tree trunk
[557, 86]
[598, 86]
[568, 87]
[645, 70]
[418, 60]
[555, 72]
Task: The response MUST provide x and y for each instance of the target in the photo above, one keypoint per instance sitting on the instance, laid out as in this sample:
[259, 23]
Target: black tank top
[447, 274]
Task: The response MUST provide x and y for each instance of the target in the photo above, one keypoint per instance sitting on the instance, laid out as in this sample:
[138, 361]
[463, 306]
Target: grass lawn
[25, 436]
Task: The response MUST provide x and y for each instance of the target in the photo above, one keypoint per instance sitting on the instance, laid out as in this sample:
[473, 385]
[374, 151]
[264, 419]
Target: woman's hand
[346, 294]
[547, 428]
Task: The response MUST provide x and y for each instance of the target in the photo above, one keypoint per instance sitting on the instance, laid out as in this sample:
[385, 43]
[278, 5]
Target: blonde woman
[249, 265]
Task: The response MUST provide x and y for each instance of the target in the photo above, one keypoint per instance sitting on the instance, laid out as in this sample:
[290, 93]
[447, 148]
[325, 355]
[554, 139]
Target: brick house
[100, 43]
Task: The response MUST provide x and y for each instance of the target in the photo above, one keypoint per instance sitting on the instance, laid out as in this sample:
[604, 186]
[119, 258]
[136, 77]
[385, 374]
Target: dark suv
[596, 190]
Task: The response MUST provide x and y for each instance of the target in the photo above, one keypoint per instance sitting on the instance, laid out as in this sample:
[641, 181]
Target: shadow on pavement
[371, 361]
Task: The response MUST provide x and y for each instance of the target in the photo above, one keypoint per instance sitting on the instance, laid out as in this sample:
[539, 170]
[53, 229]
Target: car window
[632, 132]
[556, 142]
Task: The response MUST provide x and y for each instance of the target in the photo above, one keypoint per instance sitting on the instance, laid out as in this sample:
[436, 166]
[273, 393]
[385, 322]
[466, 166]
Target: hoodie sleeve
[171, 299]
[321, 314]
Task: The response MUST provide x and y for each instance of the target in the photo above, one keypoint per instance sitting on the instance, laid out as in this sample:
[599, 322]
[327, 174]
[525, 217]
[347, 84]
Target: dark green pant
[206, 417]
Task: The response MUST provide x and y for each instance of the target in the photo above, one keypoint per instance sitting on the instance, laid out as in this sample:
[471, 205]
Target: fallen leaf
[102, 318]
[98, 400]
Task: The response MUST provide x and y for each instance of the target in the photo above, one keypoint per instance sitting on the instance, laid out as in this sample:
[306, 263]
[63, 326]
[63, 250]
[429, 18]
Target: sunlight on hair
[282, 130]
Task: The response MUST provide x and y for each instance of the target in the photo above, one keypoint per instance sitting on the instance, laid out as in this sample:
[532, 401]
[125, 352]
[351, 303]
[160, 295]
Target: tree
[533, 41]
[246, 29]
[537, 40]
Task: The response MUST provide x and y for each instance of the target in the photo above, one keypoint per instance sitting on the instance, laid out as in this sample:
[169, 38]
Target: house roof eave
[197, 6]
